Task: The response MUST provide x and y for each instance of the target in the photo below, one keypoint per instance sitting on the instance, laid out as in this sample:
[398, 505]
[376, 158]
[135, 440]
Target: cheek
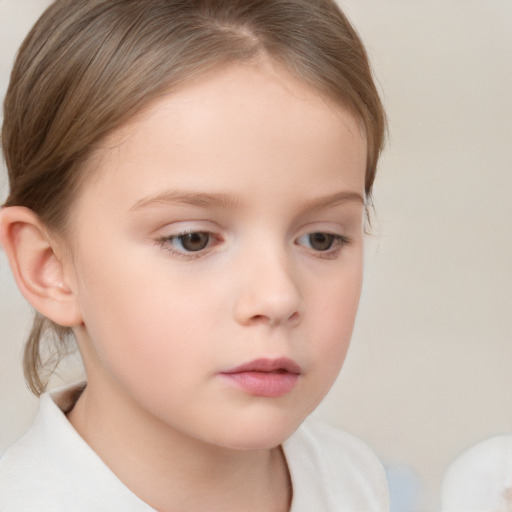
[143, 319]
[335, 313]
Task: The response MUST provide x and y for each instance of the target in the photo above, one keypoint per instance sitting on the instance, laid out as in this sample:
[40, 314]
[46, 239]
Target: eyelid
[339, 242]
[165, 242]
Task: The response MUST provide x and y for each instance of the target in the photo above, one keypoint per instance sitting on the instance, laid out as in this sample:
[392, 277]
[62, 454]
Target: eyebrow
[179, 197]
[231, 202]
[333, 200]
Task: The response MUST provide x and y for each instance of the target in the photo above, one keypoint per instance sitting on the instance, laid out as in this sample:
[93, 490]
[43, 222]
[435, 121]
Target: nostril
[269, 319]
[294, 316]
[269, 303]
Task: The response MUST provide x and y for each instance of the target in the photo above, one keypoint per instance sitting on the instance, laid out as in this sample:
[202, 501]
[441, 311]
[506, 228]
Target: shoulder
[480, 478]
[52, 469]
[332, 445]
[22, 465]
[337, 466]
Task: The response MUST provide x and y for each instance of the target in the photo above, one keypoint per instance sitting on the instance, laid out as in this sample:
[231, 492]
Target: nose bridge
[269, 291]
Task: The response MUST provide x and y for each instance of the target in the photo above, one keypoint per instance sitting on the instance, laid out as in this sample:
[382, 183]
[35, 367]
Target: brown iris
[321, 241]
[195, 241]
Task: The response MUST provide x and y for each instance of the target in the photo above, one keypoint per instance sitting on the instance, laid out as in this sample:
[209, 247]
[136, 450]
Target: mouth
[271, 378]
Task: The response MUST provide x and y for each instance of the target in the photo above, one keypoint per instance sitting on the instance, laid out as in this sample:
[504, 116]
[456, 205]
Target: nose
[268, 293]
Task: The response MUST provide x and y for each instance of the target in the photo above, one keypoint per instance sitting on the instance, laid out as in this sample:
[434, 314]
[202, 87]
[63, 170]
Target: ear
[39, 265]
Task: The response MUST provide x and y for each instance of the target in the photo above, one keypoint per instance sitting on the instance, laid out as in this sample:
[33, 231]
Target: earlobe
[37, 266]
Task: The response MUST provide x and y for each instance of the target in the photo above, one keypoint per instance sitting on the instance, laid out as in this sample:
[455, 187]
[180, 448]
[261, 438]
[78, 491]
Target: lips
[271, 378]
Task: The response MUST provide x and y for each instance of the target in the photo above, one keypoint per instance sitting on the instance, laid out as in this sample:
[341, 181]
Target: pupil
[195, 241]
[321, 241]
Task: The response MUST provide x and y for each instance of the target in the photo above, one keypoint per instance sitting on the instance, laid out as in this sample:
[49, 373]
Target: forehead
[235, 124]
[263, 85]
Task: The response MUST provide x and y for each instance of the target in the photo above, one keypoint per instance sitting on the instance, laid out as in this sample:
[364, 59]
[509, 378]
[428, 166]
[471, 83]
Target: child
[188, 182]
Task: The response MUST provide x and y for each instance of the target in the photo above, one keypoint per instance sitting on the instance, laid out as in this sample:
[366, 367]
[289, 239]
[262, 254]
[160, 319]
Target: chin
[261, 434]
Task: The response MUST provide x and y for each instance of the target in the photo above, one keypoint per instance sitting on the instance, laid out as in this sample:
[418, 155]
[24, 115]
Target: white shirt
[480, 480]
[52, 469]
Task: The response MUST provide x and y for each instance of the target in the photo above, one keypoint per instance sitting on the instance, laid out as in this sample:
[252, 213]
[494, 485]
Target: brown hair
[88, 66]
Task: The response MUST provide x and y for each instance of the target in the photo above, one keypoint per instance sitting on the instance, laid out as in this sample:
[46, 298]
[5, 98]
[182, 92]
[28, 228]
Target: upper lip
[265, 365]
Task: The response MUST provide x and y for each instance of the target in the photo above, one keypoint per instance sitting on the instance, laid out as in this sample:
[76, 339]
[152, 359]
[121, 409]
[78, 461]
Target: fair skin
[270, 178]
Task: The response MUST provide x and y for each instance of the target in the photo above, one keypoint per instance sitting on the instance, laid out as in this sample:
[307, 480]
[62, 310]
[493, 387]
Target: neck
[166, 468]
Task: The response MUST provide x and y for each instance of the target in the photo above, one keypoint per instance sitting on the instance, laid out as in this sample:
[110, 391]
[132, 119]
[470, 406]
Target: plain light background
[430, 367]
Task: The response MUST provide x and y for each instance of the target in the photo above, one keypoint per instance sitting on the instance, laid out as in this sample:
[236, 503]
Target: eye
[185, 244]
[320, 241]
[192, 242]
[323, 242]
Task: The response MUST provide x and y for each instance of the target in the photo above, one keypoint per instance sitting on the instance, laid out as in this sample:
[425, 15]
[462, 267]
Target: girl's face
[217, 257]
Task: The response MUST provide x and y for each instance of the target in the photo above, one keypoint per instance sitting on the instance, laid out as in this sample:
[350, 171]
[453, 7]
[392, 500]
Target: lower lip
[266, 384]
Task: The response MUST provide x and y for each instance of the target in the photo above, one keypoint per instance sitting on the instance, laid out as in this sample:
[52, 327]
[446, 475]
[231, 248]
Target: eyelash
[166, 243]
[338, 242]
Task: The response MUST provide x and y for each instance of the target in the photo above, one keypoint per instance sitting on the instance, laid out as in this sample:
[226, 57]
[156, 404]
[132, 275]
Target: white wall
[429, 370]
